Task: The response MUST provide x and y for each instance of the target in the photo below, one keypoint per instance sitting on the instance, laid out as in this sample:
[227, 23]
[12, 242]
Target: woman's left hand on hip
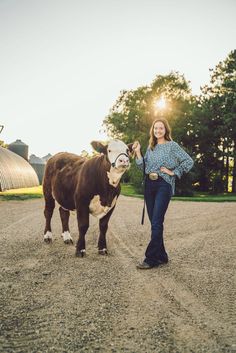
[166, 171]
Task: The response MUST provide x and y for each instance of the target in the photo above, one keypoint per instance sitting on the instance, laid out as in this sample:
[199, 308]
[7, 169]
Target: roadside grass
[22, 194]
[126, 190]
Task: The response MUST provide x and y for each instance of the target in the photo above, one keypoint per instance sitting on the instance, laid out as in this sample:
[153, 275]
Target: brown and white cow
[89, 186]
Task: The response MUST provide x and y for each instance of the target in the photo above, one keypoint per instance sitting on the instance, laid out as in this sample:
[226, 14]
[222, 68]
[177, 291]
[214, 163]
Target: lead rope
[143, 182]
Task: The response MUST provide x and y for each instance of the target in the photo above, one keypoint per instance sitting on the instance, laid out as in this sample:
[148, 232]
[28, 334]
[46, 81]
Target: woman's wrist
[167, 171]
[138, 155]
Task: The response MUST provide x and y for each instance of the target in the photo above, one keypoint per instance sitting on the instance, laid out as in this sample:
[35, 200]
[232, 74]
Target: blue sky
[63, 63]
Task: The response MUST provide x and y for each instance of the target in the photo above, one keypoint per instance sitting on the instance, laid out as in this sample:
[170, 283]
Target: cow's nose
[124, 161]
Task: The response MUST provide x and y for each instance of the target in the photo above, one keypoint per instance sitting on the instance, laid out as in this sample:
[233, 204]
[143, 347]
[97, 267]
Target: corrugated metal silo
[46, 158]
[39, 166]
[15, 172]
[19, 148]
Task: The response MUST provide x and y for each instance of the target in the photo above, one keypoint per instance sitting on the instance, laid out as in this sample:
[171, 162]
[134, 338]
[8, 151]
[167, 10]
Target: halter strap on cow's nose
[121, 154]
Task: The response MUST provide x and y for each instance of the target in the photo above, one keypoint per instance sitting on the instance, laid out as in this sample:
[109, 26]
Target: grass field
[22, 194]
[126, 190]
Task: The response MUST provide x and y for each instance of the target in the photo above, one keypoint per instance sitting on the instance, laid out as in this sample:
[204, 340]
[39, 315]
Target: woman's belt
[153, 176]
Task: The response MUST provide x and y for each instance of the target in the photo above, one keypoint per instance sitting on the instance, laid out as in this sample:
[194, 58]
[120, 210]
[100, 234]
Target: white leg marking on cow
[103, 251]
[48, 236]
[82, 252]
[67, 237]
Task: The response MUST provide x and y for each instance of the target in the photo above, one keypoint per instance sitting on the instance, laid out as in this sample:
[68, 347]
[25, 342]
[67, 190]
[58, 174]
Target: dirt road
[52, 301]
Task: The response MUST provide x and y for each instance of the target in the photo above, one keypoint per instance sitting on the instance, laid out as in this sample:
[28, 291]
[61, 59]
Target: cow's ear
[131, 151]
[99, 147]
[130, 146]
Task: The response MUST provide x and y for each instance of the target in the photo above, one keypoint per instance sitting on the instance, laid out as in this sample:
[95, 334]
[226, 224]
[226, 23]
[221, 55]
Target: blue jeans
[157, 197]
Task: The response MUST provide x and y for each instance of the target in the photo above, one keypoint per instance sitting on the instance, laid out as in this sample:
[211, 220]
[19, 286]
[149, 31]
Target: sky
[63, 63]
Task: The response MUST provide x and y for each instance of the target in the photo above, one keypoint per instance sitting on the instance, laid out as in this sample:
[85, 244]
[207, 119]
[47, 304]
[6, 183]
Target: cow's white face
[118, 154]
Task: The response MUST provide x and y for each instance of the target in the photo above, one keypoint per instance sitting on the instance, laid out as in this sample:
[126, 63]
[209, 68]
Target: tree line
[204, 125]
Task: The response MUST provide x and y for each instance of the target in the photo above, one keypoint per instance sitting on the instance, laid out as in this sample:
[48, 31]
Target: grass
[126, 190]
[199, 197]
[22, 194]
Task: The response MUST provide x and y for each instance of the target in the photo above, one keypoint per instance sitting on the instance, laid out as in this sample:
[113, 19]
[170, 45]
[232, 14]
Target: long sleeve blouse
[169, 155]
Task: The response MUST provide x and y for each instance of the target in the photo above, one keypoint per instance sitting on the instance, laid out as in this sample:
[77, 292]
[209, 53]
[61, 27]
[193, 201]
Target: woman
[164, 160]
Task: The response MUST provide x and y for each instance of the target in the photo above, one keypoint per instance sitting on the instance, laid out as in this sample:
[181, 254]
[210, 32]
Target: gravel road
[52, 301]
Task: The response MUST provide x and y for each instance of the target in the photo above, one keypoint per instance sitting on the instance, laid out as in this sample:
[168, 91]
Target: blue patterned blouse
[169, 155]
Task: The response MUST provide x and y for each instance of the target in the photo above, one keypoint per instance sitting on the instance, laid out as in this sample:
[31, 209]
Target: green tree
[218, 106]
[132, 114]
[3, 144]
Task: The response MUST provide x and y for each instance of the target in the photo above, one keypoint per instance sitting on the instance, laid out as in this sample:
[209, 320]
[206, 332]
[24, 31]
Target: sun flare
[160, 103]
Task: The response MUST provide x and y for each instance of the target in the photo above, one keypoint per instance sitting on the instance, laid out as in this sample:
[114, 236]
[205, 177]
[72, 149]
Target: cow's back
[61, 176]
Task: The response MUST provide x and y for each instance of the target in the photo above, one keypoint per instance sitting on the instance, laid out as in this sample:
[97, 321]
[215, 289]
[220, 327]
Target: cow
[86, 185]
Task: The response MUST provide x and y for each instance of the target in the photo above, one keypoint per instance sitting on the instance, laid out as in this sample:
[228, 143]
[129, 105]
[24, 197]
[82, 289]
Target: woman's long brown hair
[153, 139]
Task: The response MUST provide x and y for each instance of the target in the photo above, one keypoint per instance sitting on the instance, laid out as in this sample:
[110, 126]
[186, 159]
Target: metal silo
[19, 148]
[15, 172]
[39, 166]
[46, 158]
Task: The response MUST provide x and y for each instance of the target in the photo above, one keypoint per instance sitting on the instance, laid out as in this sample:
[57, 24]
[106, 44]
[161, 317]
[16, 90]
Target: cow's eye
[109, 151]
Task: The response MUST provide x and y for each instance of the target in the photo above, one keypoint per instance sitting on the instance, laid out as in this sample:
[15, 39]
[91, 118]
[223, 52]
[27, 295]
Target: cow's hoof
[67, 238]
[80, 253]
[48, 237]
[103, 251]
[68, 241]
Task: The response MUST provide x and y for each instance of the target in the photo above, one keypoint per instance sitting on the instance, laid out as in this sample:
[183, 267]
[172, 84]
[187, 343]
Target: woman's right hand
[136, 147]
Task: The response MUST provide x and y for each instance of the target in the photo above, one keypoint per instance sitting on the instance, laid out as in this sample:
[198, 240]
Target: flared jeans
[157, 197]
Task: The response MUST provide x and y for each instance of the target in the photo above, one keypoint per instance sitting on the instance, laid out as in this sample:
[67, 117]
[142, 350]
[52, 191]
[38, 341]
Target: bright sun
[160, 103]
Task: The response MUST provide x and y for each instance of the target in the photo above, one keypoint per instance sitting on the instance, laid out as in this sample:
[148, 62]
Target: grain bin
[19, 148]
[46, 158]
[15, 171]
[39, 166]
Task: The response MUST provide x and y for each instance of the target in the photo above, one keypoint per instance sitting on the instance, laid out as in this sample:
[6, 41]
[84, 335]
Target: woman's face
[159, 130]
